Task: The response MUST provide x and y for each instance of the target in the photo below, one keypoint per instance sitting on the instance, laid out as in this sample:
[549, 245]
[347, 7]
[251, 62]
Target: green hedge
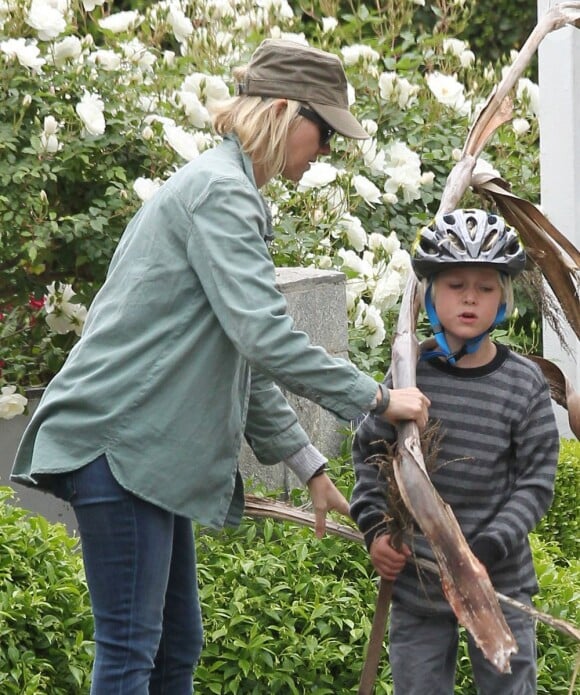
[562, 523]
[46, 626]
[283, 611]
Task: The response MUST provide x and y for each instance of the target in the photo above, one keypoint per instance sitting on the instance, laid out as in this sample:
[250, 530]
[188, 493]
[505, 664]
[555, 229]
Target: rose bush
[100, 106]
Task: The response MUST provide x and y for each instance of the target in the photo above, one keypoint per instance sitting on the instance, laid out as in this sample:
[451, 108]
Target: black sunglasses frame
[326, 131]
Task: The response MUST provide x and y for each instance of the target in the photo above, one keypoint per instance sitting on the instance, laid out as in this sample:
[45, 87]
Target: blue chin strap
[470, 346]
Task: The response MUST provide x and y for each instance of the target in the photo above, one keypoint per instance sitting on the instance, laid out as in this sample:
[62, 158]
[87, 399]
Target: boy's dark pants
[423, 655]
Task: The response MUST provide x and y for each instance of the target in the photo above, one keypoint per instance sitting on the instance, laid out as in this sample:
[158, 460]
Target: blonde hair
[505, 283]
[262, 129]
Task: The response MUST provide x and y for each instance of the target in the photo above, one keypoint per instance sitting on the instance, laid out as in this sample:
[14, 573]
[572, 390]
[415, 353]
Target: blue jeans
[141, 572]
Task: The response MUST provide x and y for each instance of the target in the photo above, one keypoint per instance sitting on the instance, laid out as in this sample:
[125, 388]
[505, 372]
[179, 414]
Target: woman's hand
[387, 561]
[325, 496]
[408, 404]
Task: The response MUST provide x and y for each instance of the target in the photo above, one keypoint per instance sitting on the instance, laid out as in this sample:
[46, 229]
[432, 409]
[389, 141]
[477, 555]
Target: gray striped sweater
[495, 468]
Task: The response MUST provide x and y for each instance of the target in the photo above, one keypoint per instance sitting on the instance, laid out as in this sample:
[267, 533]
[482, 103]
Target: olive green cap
[290, 70]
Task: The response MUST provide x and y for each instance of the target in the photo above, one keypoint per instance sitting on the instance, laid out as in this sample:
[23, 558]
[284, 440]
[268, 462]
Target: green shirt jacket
[182, 353]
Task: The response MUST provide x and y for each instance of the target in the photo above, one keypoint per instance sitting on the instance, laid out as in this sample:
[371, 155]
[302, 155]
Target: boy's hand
[408, 404]
[387, 561]
[325, 496]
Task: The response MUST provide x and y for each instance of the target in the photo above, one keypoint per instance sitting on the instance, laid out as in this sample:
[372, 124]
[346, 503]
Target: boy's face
[466, 300]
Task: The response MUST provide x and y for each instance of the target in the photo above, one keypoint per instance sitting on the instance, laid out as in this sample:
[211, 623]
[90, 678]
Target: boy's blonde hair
[262, 129]
[505, 283]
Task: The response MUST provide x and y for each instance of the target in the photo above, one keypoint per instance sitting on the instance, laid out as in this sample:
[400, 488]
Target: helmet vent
[455, 240]
[471, 226]
[491, 240]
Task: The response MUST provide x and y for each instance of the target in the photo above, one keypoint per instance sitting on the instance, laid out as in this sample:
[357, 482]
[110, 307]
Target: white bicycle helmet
[466, 237]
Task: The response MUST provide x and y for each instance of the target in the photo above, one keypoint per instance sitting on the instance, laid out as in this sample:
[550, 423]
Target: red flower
[36, 303]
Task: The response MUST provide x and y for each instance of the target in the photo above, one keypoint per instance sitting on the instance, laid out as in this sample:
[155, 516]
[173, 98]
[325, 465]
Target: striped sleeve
[535, 444]
[369, 507]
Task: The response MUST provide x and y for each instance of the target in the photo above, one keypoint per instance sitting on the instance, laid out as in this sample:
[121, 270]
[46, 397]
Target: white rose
[46, 20]
[180, 24]
[71, 317]
[120, 22]
[352, 54]
[62, 316]
[387, 82]
[90, 5]
[403, 170]
[107, 59]
[50, 125]
[406, 92]
[370, 126]
[329, 24]
[221, 8]
[216, 90]
[27, 54]
[373, 159]
[351, 261]
[90, 110]
[529, 89]
[195, 111]
[354, 289]
[354, 231]
[376, 242]
[146, 188]
[448, 91]
[387, 291]
[49, 143]
[320, 174]
[400, 265]
[367, 190]
[135, 51]
[393, 244]
[182, 142]
[11, 403]
[371, 320]
[467, 58]
[454, 46]
[520, 126]
[69, 48]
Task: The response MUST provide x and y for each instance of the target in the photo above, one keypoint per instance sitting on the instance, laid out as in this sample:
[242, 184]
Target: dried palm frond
[561, 390]
[556, 256]
[264, 507]
[497, 109]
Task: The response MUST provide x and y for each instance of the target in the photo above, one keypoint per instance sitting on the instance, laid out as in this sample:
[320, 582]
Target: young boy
[496, 461]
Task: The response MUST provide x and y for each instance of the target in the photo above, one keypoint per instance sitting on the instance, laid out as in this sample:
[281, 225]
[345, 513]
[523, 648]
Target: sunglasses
[326, 131]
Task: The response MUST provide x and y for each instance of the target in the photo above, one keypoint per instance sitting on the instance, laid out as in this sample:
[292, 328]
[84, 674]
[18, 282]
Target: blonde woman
[180, 358]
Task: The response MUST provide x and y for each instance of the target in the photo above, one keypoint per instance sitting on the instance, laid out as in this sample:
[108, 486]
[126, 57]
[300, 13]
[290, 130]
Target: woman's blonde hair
[262, 129]
[505, 283]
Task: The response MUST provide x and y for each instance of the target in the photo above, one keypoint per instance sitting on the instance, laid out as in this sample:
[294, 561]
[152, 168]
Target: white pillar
[559, 80]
